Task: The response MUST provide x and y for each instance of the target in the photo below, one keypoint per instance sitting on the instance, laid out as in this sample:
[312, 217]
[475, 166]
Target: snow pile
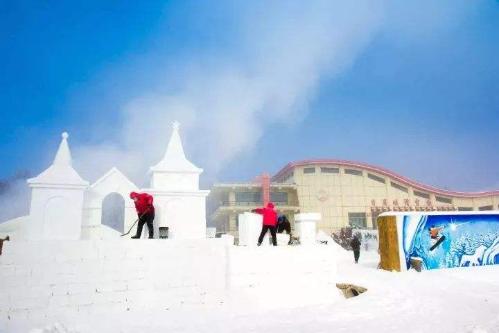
[282, 277]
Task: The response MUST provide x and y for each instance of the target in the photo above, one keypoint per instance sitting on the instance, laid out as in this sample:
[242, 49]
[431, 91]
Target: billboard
[442, 240]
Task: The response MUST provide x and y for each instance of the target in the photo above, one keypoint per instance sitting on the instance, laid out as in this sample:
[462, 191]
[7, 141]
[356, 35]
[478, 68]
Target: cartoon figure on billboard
[436, 237]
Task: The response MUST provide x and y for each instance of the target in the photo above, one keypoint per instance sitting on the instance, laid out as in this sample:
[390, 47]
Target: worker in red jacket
[145, 211]
[269, 222]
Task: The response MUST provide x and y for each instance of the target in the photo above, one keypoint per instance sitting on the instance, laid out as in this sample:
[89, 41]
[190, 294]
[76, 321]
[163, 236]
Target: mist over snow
[14, 198]
[226, 100]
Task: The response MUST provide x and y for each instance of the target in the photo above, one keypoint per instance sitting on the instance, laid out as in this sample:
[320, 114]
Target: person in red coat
[145, 211]
[269, 222]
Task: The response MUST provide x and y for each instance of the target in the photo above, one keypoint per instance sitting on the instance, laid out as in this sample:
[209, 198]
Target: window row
[309, 170]
[255, 197]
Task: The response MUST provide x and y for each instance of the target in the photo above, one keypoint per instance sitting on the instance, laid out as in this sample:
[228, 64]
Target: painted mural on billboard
[445, 241]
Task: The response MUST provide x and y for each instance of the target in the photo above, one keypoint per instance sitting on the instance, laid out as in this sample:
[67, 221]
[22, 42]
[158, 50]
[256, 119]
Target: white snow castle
[66, 207]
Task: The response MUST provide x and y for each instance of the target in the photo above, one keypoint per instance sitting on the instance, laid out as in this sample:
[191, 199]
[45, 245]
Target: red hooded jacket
[143, 203]
[269, 214]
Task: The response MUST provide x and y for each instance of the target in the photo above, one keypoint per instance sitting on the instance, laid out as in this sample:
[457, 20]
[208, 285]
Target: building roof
[174, 159]
[61, 171]
[409, 182]
[252, 185]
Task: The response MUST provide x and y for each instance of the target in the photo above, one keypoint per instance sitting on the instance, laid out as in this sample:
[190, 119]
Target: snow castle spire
[61, 171]
[63, 155]
[181, 205]
[56, 199]
[175, 172]
[174, 159]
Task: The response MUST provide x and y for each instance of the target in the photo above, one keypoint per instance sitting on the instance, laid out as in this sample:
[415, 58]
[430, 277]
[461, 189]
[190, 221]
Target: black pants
[356, 255]
[284, 226]
[146, 218]
[272, 232]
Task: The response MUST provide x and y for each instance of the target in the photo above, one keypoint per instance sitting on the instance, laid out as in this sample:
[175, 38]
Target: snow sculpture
[180, 205]
[112, 183]
[250, 225]
[306, 227]
[64, 206]
[56, 199]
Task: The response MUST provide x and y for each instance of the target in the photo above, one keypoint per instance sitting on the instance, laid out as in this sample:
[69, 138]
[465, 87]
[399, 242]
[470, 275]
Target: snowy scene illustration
[445, 241]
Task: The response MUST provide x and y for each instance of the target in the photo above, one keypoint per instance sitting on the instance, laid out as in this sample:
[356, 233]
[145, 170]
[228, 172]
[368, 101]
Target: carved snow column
[179, 203]
[250, 226]
[306, 227]
[56, 199]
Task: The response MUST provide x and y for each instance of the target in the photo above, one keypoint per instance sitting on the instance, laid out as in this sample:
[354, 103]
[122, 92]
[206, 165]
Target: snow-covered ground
[452, 300]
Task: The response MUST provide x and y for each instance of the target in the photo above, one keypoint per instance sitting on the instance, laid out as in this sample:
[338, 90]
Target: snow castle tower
[180, 205]
[56, 199]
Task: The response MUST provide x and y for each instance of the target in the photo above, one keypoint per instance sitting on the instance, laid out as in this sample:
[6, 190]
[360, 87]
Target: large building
[344, 192]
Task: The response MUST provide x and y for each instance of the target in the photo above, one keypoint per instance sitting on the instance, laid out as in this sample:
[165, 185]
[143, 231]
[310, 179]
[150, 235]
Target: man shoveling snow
[145, 211]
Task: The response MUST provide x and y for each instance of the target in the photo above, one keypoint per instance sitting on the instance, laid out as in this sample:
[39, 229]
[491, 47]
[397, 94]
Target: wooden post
[388, 243]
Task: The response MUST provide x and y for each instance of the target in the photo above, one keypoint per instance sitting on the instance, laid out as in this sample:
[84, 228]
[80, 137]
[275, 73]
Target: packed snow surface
[447, 300]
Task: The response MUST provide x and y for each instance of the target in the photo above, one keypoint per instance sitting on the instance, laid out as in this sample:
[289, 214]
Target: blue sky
[410, 87]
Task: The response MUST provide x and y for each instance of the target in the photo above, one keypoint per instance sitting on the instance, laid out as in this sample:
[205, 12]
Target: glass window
[279, 197]
[309, 170]
[376, 178]
[485, 208]
[253, 197]
[330, 170]
[463, 209]
[422, 194]
[358, 220]
[444, 200]
[399, 187]
[353, 172]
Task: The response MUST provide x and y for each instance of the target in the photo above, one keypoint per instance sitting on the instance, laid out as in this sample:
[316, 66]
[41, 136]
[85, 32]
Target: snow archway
[113, 211]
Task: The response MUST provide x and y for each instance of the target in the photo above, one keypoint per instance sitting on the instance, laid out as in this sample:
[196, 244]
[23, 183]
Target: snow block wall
[439, 240]
[53, 281]
[50, 280]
